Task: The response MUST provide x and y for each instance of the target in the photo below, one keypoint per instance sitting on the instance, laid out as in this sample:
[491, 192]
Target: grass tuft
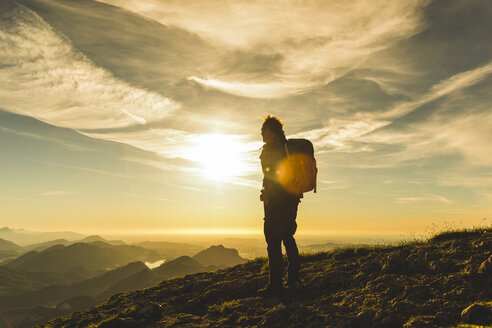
[459, 234]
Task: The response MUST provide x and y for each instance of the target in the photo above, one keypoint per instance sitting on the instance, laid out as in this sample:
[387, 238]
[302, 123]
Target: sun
[221, 156]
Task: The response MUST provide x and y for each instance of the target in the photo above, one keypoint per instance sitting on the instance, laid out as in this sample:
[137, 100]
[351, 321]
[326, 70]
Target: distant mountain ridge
[10, 250]
[96, 256]
[24, 237]
[6, 245]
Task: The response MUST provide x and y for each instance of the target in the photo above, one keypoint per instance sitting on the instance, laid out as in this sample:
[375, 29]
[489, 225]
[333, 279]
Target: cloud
[43, 76]
[425, 198]
[459, 123]
[254, 90]
[445, 87]
[340, 133]
[317, 41]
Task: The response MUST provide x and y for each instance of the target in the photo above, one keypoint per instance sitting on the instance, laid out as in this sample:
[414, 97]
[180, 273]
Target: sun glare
[221, 156]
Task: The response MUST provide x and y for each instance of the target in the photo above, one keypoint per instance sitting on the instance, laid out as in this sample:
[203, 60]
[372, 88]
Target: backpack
[303, 170]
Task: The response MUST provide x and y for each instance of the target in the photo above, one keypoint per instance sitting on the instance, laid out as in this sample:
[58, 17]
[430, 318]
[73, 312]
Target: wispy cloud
[458, 125]
[317, 41]
[255, 90]
[445, 87]
[43, 76]
[425, 198]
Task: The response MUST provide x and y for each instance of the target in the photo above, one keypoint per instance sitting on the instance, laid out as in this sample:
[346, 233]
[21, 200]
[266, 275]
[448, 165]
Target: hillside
[418, 284]
[178, 267]
[14, 281]
[8, 249]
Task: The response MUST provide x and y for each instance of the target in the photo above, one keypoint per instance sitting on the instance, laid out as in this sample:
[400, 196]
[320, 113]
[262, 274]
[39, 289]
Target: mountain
[88, 287]
[9, 250]
[24, 237]
[141, 279]
[39, 247]
[90, 239]
[437, 283]
[94, 238]
[14, 282]
[178, 267]
[92, 257]
[219, 256]
[6, 245]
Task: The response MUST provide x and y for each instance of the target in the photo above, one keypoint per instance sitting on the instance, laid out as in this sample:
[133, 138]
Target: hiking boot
[271, 290]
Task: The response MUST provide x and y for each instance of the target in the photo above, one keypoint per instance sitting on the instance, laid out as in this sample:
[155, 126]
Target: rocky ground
[443, 282]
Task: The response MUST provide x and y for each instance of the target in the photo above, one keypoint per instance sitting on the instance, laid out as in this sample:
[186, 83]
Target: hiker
[280, 206]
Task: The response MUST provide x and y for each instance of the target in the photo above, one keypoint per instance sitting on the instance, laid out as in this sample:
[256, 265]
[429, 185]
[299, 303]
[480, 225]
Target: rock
[387, 320]
[420, 322]
[362, 320]
[445, 318]
[417, 294]
[395, 263]
[370, 267]
[486, 266]
[478, 314]
[120, 323]
[147, 312]
[417, 263]
[276, 316]
[430, 256]
[362, 251]
[344, 254]
[403, 307]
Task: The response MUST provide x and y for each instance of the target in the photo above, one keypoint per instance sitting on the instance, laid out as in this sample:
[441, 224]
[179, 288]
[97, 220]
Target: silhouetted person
[280, 207]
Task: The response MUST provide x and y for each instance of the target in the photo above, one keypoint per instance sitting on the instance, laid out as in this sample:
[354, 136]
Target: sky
[143, 117]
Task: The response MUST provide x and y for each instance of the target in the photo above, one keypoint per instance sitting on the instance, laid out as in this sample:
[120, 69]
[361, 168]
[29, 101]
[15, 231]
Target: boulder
[477, 314]
[486, 266]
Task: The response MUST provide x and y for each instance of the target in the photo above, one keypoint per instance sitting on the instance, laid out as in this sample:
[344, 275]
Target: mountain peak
[93, 238]
[218, 255]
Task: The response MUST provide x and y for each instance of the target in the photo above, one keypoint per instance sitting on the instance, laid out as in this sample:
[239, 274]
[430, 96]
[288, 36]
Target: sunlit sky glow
[121, 116]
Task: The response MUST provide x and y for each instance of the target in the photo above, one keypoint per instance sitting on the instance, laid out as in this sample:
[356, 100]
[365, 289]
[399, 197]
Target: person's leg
[292, 254]
[274, 249]
[290, 242]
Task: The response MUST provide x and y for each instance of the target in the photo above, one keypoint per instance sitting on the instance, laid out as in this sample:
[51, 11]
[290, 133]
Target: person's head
[272, 129]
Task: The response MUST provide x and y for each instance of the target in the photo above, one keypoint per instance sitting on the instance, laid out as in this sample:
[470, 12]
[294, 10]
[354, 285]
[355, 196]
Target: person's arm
[264, 195]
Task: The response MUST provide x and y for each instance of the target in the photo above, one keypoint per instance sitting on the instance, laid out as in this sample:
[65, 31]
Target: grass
[458, 234]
